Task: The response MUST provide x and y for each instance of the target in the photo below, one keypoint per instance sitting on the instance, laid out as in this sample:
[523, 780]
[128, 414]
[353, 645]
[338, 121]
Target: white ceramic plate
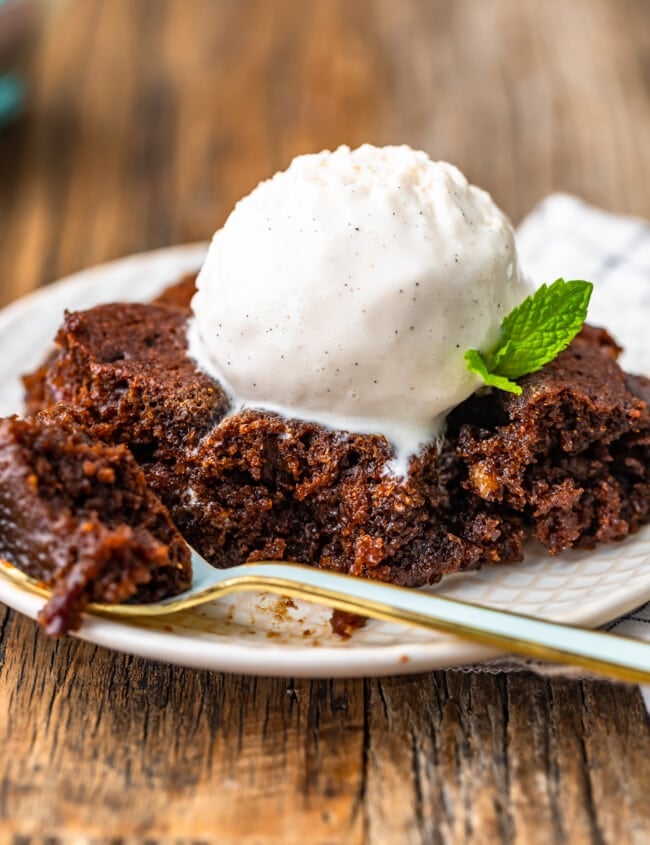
[266, 635]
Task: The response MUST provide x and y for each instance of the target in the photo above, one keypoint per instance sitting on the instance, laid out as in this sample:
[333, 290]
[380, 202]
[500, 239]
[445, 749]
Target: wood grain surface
[147, 120]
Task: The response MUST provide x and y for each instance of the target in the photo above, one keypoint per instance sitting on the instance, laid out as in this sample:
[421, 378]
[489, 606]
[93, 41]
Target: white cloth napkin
[564, 236]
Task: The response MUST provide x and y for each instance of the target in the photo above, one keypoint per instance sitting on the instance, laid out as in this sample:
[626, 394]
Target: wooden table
[148, 120]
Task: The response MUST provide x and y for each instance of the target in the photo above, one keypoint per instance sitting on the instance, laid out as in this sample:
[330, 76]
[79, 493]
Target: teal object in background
[18, 24]
[12, 95]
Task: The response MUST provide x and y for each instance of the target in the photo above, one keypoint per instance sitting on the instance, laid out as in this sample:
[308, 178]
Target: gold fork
[602, 653]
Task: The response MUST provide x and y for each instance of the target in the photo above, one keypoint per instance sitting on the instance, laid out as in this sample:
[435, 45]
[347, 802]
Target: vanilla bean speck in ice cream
[346, 289]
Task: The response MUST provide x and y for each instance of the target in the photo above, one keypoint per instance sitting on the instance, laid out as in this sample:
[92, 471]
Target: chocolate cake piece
[123, 373]
[124, 369]
[571, 453]
[77, 514]
[567, 461]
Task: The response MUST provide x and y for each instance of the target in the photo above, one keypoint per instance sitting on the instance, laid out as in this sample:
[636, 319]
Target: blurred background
[143, 121]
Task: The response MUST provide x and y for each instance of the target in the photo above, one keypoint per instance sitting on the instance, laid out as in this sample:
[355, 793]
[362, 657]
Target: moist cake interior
[77, 514]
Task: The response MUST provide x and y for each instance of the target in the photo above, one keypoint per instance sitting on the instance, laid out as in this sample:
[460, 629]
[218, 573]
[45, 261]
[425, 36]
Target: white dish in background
[263, 634]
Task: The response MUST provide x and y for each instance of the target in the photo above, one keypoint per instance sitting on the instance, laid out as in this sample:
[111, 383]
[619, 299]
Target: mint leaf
[540, 327]
[476, 364]
[534, 333]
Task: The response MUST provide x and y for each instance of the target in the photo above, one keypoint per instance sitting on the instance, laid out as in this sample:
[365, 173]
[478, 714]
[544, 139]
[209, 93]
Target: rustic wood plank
[108, 745]
[149, 118]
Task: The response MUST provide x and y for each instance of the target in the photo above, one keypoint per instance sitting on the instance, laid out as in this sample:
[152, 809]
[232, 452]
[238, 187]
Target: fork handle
[602, 653]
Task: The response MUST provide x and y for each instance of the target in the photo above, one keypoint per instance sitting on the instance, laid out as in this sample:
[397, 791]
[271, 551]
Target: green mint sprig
[533, 333]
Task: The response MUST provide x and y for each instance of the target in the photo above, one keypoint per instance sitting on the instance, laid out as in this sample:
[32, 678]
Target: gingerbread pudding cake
[292, 419]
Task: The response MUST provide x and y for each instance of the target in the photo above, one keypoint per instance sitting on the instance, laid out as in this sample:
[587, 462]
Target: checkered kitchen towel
[564, 236]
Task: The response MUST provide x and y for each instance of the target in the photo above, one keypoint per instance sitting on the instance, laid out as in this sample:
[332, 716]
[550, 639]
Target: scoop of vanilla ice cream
[346, 289]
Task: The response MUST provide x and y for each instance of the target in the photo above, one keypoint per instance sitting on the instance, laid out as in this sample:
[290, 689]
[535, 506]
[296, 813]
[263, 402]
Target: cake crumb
[345, 624]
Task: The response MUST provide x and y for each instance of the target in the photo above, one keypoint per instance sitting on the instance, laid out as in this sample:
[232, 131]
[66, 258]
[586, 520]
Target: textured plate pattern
[267, 635]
